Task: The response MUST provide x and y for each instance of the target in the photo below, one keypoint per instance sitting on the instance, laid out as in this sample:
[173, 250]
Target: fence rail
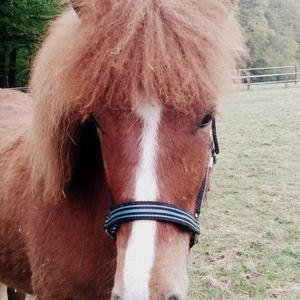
[20, 88]
[270, 75]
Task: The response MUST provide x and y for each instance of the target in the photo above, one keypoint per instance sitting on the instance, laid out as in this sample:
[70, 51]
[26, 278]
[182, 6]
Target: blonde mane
[177, 52]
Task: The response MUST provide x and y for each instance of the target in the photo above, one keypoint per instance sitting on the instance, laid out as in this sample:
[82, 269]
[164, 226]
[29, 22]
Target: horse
[114, 133]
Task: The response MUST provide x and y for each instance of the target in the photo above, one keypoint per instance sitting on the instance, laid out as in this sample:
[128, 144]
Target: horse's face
[152, 153]
[173, 51]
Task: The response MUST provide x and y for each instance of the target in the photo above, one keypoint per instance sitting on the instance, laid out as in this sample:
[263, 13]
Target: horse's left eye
[205, 121]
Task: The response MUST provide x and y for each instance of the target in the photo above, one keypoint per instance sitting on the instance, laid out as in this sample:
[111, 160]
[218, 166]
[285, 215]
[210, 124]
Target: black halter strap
[149, 210]
[216, 148]
[159, 211]
[212, 159]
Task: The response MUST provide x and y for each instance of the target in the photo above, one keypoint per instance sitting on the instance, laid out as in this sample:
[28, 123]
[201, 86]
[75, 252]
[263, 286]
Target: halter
[164, 212]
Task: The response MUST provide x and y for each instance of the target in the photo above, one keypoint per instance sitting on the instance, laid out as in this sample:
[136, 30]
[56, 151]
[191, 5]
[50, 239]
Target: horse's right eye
[205, 121]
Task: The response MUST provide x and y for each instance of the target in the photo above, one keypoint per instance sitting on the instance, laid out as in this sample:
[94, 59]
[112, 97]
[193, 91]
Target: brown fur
[14, 120]
[175, 52]
[41, 241]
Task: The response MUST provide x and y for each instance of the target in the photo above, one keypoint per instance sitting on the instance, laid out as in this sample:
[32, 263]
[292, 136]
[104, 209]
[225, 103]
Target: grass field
[250, 242]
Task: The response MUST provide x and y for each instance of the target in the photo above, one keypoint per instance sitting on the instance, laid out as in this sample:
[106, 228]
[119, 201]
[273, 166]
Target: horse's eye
[205, 121]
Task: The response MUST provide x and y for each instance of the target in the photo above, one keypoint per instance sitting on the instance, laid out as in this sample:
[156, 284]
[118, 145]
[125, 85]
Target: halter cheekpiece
[164, 212]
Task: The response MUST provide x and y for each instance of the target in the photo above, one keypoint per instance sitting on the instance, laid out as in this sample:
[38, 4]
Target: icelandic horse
[117, 119]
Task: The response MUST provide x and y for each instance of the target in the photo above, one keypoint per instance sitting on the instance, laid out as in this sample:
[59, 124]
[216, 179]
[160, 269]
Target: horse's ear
[77, 6]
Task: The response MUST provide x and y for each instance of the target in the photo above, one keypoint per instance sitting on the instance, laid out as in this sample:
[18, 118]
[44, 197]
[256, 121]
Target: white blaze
[140, 250]
[3, 292]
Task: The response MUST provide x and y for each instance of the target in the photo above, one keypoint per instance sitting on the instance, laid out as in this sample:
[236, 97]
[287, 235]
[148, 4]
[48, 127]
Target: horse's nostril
[115, 297]
[173, 297]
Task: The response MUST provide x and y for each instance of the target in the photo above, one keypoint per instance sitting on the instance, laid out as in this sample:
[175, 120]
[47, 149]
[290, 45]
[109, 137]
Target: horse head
[148, 74]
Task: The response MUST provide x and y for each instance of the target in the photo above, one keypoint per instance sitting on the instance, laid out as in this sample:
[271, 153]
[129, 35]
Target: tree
[22, 24]
[272, 29]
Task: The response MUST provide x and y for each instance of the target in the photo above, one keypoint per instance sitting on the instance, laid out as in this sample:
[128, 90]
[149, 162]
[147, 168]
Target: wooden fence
[270, 75]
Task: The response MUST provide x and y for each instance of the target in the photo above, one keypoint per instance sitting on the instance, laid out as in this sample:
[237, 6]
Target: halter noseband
[164, 212]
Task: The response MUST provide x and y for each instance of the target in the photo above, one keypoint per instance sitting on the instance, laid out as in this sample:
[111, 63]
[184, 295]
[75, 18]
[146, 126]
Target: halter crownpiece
[164, 212]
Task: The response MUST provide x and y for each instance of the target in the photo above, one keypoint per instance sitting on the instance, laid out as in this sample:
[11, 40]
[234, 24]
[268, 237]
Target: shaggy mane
[174, 51]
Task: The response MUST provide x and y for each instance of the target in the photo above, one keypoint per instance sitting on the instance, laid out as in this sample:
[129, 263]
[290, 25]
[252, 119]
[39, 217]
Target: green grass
[250, 242]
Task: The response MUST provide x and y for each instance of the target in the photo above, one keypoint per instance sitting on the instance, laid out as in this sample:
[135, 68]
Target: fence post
[296, 74]
[286, 78]
[248, 81]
